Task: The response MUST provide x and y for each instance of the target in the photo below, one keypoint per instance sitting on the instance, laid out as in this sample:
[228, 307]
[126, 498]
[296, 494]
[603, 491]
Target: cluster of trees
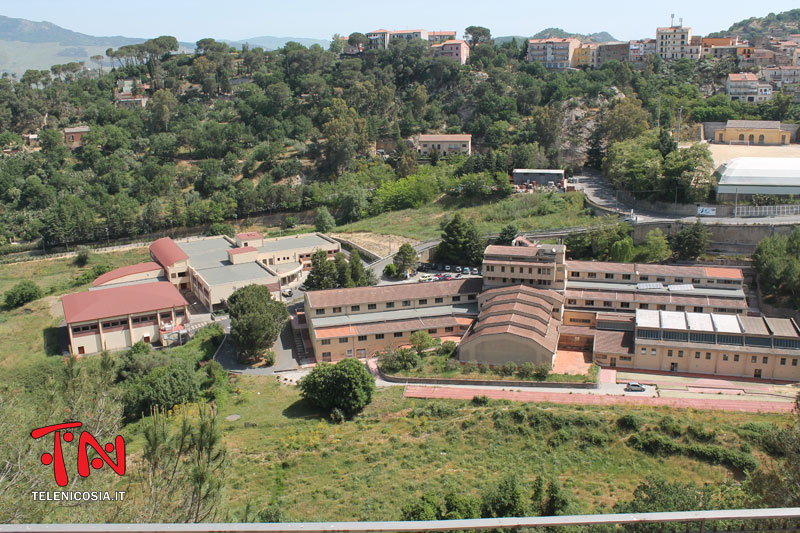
[461, 243]
[339, 273]
[23, 292]
[342, 390]
[614, 243]
[405, 260]
[777, 261]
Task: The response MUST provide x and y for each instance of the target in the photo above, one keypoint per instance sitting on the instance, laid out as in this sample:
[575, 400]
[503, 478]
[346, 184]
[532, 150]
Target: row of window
[522, 281]
[711, 338]
[521, 270]
[725, 357]
[390, 305]
[659, 307]
[380, 336]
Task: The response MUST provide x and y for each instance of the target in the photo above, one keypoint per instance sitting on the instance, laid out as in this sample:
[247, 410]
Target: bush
[22, 293]
[509, 369]
[670, 426]
[469, 368]
[220, 228]
[630, 422]
[390, 271]
[347, 385]
[337, 415]
[289, 222]
[541, 371]
[447, 349]
[452, 365]
[88, 276]
[699, 433]
[526, 370]
[483, 369]
[82, 257]
[164, 387]
[481, 400]
[398, 360]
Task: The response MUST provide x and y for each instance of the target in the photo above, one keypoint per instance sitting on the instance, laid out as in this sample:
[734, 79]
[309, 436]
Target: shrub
[337, 415]
[220, 228]
[699, 433]
[526, 370]
[481, 400]
[163, 387]
[347, 385]
[23, 292]
[390, 271]
[630, 422]
[87, 276]
[469, 368]
[289, 222]
[509, 369]
[82, 257]
[452, 365]
[434, 410]
[670, 426]
[541, 371]
[398, 360]
[483, 369]
[447, 349]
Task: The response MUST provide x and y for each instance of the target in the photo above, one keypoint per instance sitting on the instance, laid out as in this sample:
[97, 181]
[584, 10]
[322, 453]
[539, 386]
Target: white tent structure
[747, 176]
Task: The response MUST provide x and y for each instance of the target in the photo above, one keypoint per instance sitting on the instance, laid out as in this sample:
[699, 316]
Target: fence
[766, 210]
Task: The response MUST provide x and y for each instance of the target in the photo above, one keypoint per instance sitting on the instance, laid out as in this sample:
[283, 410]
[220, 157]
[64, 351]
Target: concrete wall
[687, 210]
[499, 349]
[746, 235]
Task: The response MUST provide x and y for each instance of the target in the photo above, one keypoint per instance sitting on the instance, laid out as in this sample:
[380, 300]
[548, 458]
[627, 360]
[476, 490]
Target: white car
[287, 293]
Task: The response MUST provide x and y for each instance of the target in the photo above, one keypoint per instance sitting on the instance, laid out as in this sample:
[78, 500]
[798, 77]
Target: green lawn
[530, 212]
[25, 331]
[368, 468]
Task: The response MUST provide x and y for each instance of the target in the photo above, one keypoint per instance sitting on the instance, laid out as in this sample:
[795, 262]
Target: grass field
[530, 212]
[25, 332]
[368, 468]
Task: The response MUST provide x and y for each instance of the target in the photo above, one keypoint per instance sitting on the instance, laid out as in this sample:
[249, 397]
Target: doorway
[613, 362]
[673, 367]
[757, 373]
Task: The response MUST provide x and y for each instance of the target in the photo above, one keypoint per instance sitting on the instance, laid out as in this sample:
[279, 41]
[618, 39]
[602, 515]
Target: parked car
[459, 276]
[465, 270]
[475, 271]
[458, 270]
[634, 387]
[447, 268]
[287, 293]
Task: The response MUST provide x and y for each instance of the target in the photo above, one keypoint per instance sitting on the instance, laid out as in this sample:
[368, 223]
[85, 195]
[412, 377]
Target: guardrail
[744, 211]
[784, 519]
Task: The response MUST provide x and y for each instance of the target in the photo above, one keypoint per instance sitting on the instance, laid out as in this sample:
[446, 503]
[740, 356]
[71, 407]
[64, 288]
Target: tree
[625, 120]
[357, 273]
[347, 386]
[221, 228]
[256, 320]
[357, 40]
[656, 246]
[343, 278]
[460, 242]
[657, 495]
[405, 259]
[323, 273]
[475, 35]
[323, 221]
[622, 250]
[507, 235]
[162, 106]
[390, 270]
[454, 505]
[421, 341]
[22, 293]
[691, 241]
[162, 388]
[505, 498]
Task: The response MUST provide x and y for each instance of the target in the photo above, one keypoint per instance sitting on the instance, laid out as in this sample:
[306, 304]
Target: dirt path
[417, 391]
[54, 303]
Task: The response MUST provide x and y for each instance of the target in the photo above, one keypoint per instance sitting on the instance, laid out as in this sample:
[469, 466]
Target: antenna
[680, 22]
[672, 19]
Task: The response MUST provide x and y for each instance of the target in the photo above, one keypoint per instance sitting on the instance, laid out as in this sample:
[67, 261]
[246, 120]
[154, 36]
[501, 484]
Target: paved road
[284, 356]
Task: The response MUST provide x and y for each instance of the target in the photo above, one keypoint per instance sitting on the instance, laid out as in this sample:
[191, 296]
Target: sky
[190, 21]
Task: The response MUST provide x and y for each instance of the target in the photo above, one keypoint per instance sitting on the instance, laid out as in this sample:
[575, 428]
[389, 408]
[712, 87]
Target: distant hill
[599, 37]
[267, 42]
[757, 28]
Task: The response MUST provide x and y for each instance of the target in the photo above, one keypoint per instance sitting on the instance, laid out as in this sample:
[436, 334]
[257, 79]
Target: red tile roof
[120, 301]
[166, 252]
[746, 76]
[613, 342]
[242, 250]
[121, 272]
[444, 137]
[392, 293]
[720, 272]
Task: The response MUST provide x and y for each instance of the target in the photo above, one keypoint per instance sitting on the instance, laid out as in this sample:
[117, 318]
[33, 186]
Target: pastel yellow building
[767, 132]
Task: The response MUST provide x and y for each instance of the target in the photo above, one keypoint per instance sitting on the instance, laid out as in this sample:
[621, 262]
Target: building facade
[553, 53]
[455, 49]
[612, 51]
[444, 143]
[766, 132]
[746, 87]
[676, 42]
[539, 266]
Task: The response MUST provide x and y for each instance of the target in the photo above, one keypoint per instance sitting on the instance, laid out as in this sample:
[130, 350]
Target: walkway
[417, 391]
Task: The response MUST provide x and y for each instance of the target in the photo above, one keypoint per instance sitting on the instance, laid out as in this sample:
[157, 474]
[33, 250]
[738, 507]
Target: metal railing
[785, 519]
[766, 210]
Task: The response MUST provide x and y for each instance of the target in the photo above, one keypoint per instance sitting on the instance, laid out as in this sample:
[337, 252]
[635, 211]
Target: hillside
[755, 28]
[268, 42]
[598, 37]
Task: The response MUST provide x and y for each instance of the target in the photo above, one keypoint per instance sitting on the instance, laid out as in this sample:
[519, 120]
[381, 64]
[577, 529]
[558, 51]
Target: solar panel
[680, 287]
[649, 286]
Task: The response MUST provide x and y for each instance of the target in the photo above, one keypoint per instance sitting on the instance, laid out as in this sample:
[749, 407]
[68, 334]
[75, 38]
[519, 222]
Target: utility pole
[680, 111]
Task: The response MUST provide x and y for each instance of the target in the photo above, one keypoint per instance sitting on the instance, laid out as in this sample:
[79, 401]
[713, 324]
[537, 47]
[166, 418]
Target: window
[669, 353]
[456, 298]
[653, 351]
[708, 355]
[378, 336]
[432, 331]
[697, 355]
[680, 353]
[471, 297]
[590, 303]
[439, 300]
[592, 274]
[609, 276]
[371, 307]
[607, 304]
[326, 356]
[355, 308]
[337, 309]
[343, 340]
[625, 305]
[362, 338]
[320, 311]
[626, 276]
[423, 302]
[644, 278]
[660, 278]
[736, 358]
[389, 305]
[794, 362]
[448, 329]
[398, 334]
[643, 306]
[406, 303]
[754, 359]
[724, 357]
[678, 280]
[783, 361]
[574, 274]
[325, 342]
[644, 351]
[680, 308]
[695, 281]
[765, 360]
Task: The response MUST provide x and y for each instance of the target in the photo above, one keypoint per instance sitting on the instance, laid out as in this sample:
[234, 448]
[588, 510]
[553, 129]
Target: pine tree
[357, 273]
[343, 278]
[507, 235]
[460, 243]
[323, 273]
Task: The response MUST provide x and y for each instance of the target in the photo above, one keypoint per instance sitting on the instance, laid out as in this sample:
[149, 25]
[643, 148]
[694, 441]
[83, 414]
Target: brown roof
[391, 326]
[753, 325]
[121, 272]
[520, 251]
[166, 252]
[744, 76]
[721, 272]
[120, 301]
[781, 327]
[393, 293]
[249, 235]
[613, 342]
[600, 266]
[242, 250]
[444, 137]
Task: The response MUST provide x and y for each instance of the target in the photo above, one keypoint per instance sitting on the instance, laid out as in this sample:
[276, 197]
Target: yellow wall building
[766, 132]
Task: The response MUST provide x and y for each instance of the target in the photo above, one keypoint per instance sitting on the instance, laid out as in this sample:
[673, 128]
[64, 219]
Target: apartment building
[585, 56]
[360, 321]
[553, 53]
[542, 266]
[612, 51]
[439, 36]
[676, 42]
[378, 39]
[118, 317]
[73, 137]
[457, 50]
[639, 50]
[407, 35]
[746, 87]
[782, 76]
[444, 143]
